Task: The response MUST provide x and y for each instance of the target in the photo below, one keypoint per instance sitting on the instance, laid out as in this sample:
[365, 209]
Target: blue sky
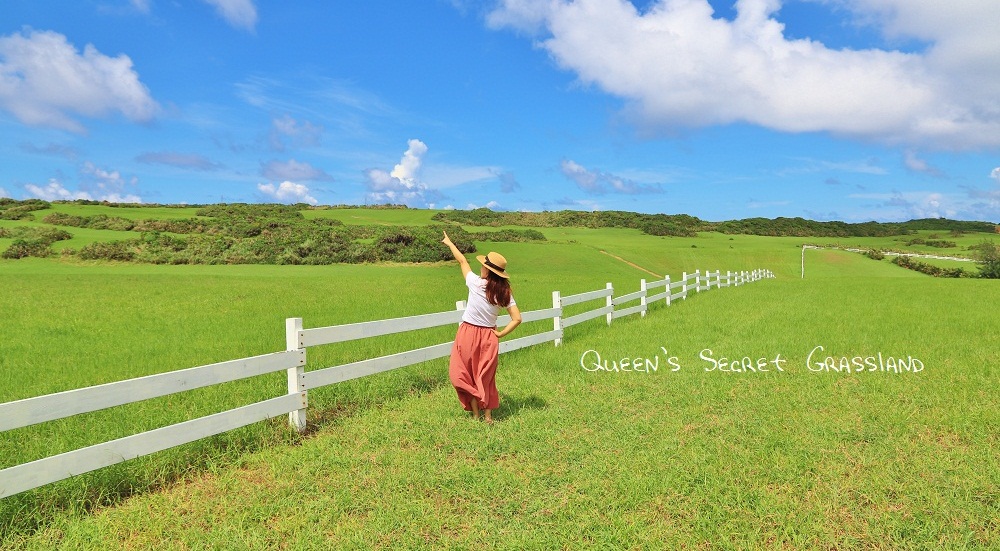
[849, 110]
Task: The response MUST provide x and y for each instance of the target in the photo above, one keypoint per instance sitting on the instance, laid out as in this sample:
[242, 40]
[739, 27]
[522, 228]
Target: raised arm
[462, 262]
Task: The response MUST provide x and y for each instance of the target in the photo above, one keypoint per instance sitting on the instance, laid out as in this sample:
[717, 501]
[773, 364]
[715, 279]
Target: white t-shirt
[478, 310]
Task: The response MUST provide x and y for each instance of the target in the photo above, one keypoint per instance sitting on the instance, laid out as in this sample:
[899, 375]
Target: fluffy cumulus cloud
[679, 66]
[56, 191]
[191, 161]
[109, 185]
[599, 182]
[46, 81]
[288, 192]
[402, 184]
[238, 13]
[995, 174]
[293, 170]
[3, 193]
[907, 205]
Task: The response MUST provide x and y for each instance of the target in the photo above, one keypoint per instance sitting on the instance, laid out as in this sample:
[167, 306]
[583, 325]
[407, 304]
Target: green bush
[936, 271]
[988, 257]
[32, 241]
[121, 251]
[22, 248]
[12, 209]
[875, 254]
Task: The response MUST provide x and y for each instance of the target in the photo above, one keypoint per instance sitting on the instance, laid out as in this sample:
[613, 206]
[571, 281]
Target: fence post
[669, 290]
[557, 320]
[296, 375]
[684, 288]
[611, 304]
[697, 281]
[642, 299]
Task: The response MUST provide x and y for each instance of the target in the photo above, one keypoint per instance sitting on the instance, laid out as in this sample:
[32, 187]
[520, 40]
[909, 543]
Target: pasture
[804, 457]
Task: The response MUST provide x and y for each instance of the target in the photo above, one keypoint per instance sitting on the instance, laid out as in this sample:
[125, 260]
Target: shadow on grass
[513, 405]
[337, 407]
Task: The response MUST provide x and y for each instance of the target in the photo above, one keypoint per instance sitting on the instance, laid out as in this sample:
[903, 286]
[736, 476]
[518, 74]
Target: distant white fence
[31, 411]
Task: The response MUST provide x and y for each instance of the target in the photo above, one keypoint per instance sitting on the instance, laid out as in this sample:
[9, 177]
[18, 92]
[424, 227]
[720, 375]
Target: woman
[473, 364]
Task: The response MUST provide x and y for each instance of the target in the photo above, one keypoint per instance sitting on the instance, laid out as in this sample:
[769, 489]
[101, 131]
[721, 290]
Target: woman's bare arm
[462, 262]
[515, 320]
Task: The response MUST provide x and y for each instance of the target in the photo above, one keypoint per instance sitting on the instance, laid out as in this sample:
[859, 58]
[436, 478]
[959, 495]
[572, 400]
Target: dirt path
[634, 265]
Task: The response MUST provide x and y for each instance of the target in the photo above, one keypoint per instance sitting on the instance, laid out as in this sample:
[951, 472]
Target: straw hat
[494, 262]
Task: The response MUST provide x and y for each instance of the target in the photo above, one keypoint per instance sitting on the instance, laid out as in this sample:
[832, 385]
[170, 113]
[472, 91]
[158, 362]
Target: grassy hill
[802, 458]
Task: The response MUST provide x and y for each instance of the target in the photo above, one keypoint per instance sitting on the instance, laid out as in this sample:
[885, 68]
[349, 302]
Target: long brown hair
[497, 289]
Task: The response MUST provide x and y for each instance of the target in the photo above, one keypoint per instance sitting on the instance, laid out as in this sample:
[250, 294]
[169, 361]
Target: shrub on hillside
[22, 248]
[12, 209]
[666, 228]
[988, 257]
[939, 243]
[875, 254]
[122, 251]
[32, 241]
[510, 236]
[936, 271]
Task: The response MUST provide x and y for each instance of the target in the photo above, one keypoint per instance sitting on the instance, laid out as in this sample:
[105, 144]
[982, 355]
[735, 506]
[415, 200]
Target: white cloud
[917, 204]
[293, 170]
[598, 182]
[677, 66]
[3, 193]
[996, 174]
[106, 179]
[401, 185]
[45, 81]
[288, 192]
[54, 191]
[238, 13]
[406, 170]
[118, 198]
[492, 205]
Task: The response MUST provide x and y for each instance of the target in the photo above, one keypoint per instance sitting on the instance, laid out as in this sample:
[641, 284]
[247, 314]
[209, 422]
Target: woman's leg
[475, 408]
[489, 416]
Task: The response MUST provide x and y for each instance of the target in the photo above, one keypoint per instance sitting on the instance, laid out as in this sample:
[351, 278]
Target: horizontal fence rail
[294, 401]
[74, 402]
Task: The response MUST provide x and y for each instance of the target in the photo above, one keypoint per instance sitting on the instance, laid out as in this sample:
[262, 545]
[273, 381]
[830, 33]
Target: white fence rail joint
[294, 401]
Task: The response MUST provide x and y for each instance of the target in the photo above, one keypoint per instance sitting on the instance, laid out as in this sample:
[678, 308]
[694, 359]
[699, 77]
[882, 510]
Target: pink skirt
[473, 366]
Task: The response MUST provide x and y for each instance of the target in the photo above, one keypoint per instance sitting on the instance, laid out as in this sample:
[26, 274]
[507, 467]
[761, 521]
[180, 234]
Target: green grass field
[669, 459]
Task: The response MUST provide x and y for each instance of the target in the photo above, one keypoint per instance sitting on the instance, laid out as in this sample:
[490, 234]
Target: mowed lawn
[671, 458]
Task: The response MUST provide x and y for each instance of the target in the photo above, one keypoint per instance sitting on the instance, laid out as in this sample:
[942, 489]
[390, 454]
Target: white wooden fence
[30, 411]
